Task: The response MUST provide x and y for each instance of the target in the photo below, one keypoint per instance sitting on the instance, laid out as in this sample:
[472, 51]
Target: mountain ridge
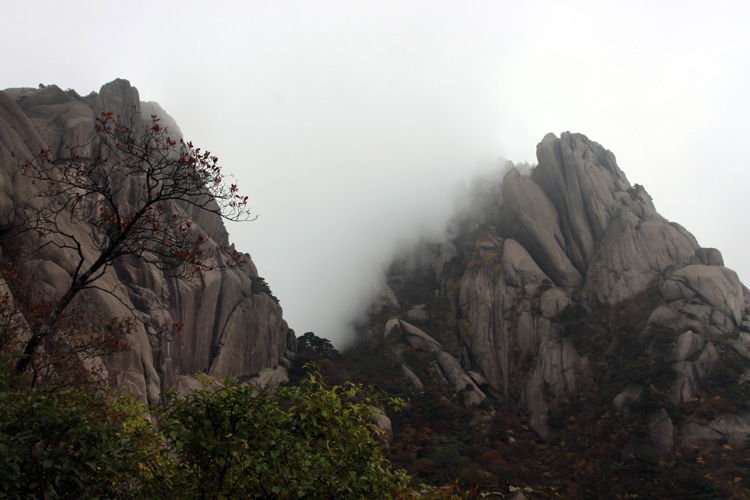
[563, 308]
[571, 285]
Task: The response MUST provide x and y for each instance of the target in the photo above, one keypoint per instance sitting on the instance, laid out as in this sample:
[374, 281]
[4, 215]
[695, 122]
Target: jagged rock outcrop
[534, 220]
[715, 286]
[571, 239]
[450, 372]
[228, 329]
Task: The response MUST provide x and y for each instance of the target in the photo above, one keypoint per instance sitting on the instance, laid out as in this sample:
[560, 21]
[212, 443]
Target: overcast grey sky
[349, 122]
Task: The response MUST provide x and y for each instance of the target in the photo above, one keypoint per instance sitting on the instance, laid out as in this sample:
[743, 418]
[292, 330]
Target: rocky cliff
[568, 279]
[230, 327]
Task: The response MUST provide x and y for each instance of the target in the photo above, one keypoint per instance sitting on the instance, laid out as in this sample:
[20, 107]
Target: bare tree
[132, 188]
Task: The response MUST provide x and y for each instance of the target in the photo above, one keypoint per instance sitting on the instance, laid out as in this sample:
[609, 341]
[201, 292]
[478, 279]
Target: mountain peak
[572, 239]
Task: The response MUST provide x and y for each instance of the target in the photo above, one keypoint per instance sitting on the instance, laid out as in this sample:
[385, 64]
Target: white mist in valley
[341, 236]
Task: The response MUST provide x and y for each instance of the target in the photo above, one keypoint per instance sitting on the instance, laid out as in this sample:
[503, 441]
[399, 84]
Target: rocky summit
[231, 327]
[564, 300]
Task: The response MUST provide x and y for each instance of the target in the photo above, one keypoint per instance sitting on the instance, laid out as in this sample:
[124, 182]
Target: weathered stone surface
[742, 344]
[708, 257]
[390, 326]
[419, 339]
[19, 141]
[664, 315]
[386, 299]
[478, 378]
[731, 428]
[694, 434]
[450, 370]
[579, 216]
[688, 343]
[662, 433]
[558, 367]
[418, 314]
[691, 374]
[484, 328]
[447, 253]
[717, 286]
[577, 233]
[268, 379]
[580, 178]
[151, 108]
[416, 384]
[631, 393]
[587, 188]
[632, 253]
[520, 269]
[227, 329]
[47, 96]
[459, 379]
[535, 220]
[384, 424]
[500, 322]
[552, 302]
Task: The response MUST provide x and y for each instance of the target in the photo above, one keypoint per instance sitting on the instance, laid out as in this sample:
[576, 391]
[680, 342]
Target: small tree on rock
[133, 189]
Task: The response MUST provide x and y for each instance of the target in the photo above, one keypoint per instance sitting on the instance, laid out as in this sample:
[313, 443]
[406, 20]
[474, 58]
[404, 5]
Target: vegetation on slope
[226, 440]
[594, 451]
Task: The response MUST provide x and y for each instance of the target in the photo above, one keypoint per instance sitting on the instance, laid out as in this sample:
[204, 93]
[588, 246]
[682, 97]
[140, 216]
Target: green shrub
[223, 441]
[301, 442]
[70, 444]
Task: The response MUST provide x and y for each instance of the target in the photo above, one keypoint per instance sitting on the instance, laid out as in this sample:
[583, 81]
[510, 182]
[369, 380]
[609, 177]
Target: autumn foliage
[136, 189]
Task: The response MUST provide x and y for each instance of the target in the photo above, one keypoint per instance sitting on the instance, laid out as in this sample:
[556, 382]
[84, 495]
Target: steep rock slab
[717, 286]
[632, 253]
[514, 345]
[521, 271]
[579, 177]
[483, 329]
[228, 328]
[610, 231]
[732, 429]
[452, 371]
[534, 221]
[19, 141]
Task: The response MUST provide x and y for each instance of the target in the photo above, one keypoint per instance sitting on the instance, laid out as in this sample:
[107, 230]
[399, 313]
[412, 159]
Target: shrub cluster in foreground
[223, 441]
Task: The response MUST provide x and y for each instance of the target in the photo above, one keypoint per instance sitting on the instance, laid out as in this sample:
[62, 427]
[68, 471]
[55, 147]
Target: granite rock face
[449, 370]
[228, 329]
[573, 237]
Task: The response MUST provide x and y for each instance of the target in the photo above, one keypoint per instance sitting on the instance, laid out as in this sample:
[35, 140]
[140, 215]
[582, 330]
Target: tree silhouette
[309, 342]
[134, 189]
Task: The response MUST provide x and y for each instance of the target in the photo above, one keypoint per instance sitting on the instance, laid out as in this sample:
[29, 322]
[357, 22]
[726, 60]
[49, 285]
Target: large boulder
[717, 286]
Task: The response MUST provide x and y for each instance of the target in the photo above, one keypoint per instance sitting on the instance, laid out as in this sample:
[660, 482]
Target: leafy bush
[223, 441]
[72, 443]
[302, 442]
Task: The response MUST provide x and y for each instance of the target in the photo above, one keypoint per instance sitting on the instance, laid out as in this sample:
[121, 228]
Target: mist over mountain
[528, 313]
[305, 104]
[376, 185]
[574, 328]
[564, 317]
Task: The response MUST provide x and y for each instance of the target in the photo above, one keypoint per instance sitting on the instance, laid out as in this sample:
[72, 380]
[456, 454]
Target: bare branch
[133, 189]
